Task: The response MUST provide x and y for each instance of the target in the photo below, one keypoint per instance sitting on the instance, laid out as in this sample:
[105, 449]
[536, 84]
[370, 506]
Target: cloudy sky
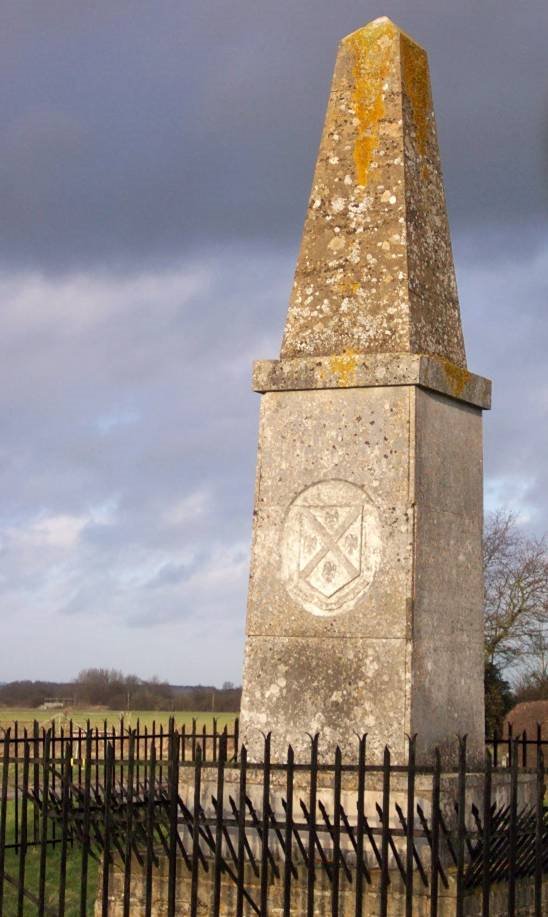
[155, 163]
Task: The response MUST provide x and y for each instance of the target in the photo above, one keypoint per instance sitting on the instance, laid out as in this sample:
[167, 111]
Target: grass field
[26, 715]
[52, 872]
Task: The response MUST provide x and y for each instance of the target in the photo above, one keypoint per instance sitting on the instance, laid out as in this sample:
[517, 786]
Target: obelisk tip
[381, 24]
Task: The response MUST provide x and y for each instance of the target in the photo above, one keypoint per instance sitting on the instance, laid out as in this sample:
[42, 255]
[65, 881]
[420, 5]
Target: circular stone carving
[331, 547]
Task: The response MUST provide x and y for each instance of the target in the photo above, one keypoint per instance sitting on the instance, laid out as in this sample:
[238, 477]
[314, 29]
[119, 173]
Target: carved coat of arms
[330, 546]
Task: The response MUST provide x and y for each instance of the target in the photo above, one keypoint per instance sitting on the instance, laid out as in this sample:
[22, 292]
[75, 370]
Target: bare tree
[532, 680]
[516, 595]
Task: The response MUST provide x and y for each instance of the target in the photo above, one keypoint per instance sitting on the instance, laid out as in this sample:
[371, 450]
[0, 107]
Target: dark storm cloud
[134, 128]
[155, 161]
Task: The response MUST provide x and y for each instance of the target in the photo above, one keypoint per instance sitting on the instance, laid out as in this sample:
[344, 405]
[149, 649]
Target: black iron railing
[139, 817]
[193, 736]
[500, 745]
[208, 739]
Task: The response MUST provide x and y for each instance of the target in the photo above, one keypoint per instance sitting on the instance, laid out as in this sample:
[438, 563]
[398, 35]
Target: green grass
[52, 873]
[26, 715]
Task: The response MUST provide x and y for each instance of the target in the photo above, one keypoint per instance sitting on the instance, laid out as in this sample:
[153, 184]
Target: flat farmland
[25, 716]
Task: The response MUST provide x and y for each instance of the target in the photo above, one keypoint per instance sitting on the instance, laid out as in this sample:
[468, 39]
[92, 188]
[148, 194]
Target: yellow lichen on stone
[371, 62]
[375, 270]
[343, 366]
[457, 377]
[347, 287]
[416, 85]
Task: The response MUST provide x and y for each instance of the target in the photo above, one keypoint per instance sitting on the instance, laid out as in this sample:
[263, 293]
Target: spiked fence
[132, 821]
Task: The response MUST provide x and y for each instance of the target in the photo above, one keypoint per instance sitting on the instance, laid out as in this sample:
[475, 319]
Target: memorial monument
[365, 597]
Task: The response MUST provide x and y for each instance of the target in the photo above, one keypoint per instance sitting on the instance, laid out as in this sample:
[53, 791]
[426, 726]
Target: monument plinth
[365, 598]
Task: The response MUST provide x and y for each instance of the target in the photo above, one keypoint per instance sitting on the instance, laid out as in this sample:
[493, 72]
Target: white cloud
[116, 418]
[503, 299]
[129, 445]
[189, 508]
[60, 531]
[70, 305]
[104, 513]
[511, 493]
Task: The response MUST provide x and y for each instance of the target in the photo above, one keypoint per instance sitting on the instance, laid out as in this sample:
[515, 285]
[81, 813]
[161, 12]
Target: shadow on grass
[52, 876]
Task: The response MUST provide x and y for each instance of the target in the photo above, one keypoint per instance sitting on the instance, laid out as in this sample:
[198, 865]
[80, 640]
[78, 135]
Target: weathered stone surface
[323, 894]
[447, 654]
[367, 546]
[348, 370]
[366, 594]
[375, 271]
[302, 685]
[331, 440]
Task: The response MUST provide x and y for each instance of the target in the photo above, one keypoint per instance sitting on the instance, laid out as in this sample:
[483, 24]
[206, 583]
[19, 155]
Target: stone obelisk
[365, 596]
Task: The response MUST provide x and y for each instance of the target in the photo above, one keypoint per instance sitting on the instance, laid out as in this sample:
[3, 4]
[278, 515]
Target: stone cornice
[350, 370]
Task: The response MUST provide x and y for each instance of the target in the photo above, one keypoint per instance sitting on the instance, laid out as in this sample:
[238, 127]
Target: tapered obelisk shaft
[375, 271]
[365, 597]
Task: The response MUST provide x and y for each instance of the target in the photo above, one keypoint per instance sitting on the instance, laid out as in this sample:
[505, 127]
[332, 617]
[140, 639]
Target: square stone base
[365, 609]
[322, 896]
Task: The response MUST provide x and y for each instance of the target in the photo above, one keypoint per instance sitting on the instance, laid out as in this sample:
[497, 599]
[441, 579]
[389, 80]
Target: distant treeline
[112, 689]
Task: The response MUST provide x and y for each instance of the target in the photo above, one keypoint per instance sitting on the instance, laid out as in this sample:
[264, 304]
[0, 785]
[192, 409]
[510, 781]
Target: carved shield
[330, 546]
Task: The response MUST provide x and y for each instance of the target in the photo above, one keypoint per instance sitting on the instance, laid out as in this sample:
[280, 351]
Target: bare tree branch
[516, 593]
